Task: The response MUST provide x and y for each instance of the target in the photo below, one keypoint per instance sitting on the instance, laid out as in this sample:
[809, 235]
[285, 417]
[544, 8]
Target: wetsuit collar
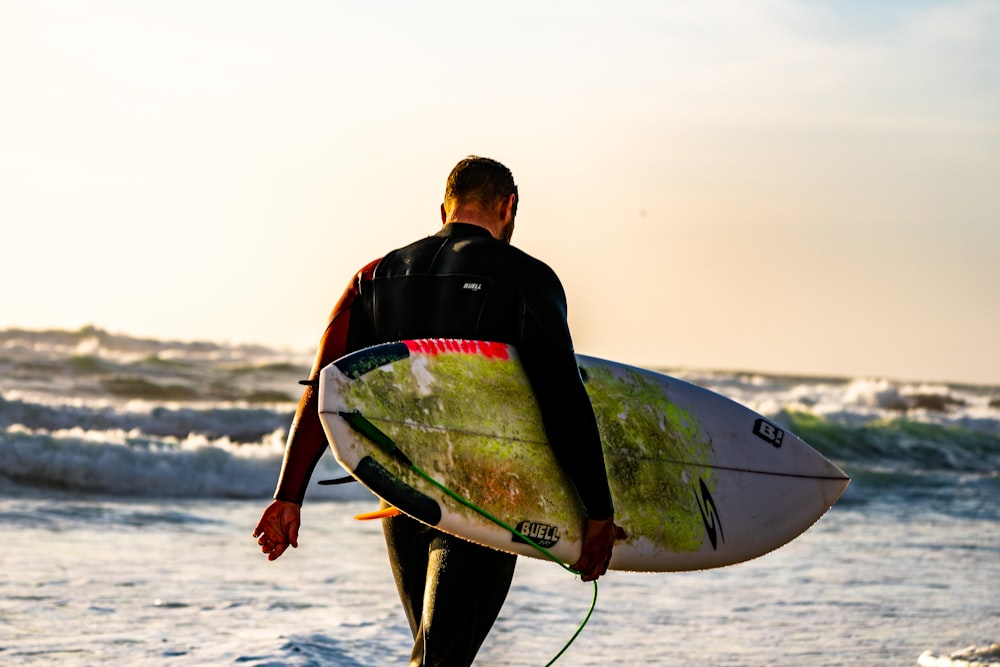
[463, 229]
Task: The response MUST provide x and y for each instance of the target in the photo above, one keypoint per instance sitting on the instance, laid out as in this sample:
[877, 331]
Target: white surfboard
[698, 481]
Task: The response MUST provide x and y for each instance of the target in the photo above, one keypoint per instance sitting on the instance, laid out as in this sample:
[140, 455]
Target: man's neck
[474, 215]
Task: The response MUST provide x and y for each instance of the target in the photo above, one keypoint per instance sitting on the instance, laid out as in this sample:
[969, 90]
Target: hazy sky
[805, 187]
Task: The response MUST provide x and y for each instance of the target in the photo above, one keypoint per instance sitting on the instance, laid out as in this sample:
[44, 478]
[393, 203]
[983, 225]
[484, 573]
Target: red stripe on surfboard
[434, 346]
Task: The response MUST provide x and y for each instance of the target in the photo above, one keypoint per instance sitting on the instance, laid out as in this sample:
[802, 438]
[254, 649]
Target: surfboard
[698, 480]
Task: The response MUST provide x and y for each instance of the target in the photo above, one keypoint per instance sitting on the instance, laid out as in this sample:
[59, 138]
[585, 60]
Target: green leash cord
[360, 424]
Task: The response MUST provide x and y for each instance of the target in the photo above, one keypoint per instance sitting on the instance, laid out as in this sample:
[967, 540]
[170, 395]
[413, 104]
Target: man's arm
[306, 439]
[572, 430]
[278, 526]
[550, 363]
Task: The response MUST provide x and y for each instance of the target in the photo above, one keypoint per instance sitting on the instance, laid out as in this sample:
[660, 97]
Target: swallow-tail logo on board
[541, 534]
[709, 514]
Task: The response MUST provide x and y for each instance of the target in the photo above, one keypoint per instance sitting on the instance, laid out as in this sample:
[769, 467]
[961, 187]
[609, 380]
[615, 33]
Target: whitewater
[133, 470]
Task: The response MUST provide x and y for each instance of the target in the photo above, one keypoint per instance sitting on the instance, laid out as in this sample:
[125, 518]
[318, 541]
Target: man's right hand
[278, 528]
[598, 542]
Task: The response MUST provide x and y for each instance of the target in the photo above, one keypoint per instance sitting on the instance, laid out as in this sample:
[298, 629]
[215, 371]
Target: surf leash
[360, 423]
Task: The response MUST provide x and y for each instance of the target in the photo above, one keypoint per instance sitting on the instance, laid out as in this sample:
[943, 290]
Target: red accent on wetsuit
[297, 467]
[335, 339]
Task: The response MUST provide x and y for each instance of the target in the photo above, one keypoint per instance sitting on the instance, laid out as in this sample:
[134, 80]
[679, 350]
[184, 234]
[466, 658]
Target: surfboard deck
[698, 480]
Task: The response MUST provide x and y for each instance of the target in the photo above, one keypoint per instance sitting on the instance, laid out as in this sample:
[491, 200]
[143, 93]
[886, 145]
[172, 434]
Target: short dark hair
[482, 180]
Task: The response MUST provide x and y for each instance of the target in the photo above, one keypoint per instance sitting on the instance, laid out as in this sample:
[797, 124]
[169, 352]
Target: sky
[805, 187]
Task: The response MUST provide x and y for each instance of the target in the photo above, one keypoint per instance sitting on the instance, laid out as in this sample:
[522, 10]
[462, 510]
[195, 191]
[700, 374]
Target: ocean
[132, 472]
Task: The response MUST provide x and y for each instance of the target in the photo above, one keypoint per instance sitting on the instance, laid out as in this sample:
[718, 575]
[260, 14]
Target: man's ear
[507, 208]
[444, 215]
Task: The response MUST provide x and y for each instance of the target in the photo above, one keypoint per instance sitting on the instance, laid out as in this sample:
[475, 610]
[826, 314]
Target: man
[466, 281]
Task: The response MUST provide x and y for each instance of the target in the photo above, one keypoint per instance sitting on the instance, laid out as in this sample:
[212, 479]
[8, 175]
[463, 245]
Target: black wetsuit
[463, 283]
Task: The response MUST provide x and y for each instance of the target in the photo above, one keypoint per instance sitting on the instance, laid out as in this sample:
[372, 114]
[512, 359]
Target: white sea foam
[210, 419]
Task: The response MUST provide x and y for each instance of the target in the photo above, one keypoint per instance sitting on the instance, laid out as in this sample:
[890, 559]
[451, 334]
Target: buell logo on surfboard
[542, 534]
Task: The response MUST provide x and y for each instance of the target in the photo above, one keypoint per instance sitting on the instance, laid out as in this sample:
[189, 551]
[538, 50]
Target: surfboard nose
[797, 458]
[837, 483]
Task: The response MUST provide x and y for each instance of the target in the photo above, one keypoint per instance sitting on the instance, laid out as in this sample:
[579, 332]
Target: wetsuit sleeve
[307, 440]
[549, 360]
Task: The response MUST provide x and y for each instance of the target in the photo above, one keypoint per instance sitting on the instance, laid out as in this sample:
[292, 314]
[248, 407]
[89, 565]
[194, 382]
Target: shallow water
[96, 581]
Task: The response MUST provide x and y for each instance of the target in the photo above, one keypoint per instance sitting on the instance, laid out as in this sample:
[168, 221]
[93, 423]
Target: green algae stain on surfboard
[476, 425]
[447, 391]
[653, 451]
